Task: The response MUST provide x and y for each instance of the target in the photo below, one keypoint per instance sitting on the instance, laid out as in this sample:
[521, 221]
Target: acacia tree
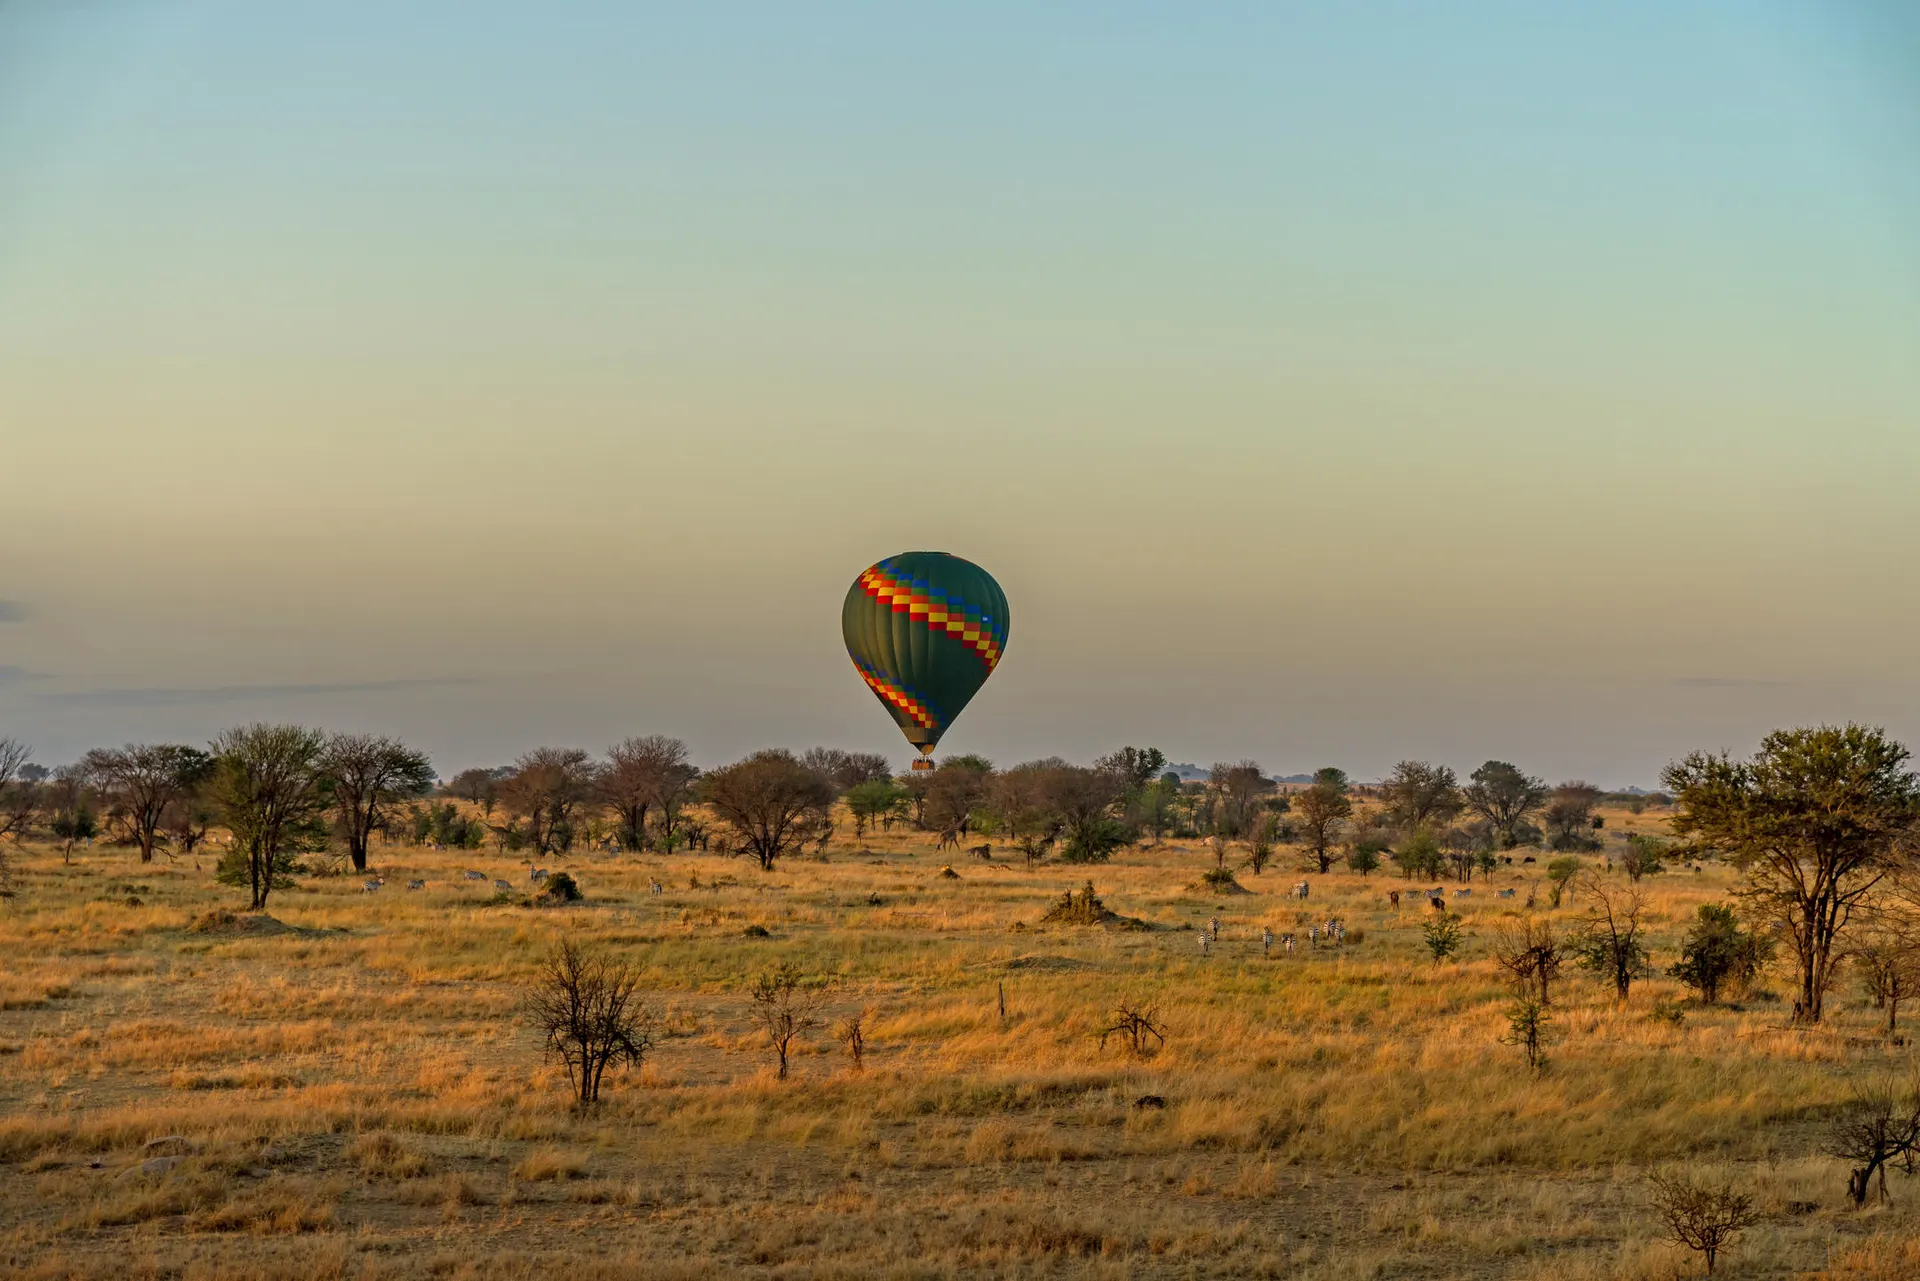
[1322, 808]
[1569, 816]
[479, 785]
[771, 799]
[141, 781]
[367, 776]
[1237, 790]
[271, 794]
[1419, 794]
[847, 770]
[1815, 821]
[640, 774]
[546, 787]
[1087, 801]
[1504, 796]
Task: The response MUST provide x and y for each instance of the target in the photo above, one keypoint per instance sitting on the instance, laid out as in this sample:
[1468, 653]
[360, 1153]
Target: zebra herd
[1329, 931]
[373, 884]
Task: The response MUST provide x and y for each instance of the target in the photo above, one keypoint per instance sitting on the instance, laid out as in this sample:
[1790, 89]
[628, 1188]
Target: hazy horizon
[1323, 387]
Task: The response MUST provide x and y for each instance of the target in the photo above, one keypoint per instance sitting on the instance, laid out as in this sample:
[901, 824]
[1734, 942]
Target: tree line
[1823, 823]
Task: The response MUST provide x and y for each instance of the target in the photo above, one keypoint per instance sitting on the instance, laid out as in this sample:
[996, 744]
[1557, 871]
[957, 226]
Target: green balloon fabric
[925, 630]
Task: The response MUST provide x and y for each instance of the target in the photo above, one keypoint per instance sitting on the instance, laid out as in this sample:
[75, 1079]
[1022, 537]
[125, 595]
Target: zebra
[1213, 926]
[1313, 935]
[1462, 893]
[1289, 945]
[1506, 893]
[505, 887]
[1266, 941]
[1298, 891]
[1206, 941]
[537, 874]
[370, 887]
[653, 887]
[476, 876]
[416, 885]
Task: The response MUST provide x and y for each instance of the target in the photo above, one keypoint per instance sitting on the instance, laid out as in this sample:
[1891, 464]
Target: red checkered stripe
[939, 616]
[898, 697]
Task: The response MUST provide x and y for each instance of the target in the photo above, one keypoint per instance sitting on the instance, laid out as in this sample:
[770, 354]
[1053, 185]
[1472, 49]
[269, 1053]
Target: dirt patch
[1053, 964]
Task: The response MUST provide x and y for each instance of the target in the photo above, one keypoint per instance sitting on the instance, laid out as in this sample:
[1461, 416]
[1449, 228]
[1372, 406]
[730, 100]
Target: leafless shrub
[1135, 1028]
[852, 1033]
[785, 1007]
[1880, 1126]
[1701, 1217]
[587, 1008]
[1531, 956]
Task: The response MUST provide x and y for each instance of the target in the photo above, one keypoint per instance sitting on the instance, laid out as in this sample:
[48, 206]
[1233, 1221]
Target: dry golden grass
[357, 1097]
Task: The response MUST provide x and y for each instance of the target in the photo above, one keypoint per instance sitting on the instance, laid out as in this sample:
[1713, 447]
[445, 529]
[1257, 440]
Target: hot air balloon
[925, 630]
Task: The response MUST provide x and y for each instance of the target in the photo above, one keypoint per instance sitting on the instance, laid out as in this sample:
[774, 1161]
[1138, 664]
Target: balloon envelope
[925, 630]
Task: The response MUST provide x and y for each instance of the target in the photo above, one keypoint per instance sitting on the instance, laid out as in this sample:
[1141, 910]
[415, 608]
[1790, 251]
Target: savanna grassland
[358, 1095]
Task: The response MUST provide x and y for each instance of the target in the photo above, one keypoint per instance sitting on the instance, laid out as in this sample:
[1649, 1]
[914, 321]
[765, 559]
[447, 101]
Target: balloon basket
[923, 763]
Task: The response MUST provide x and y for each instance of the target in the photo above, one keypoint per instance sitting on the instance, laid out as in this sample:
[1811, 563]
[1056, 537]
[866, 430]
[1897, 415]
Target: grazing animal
[981, 851]
[538, 874]
[653, 887]
[369, 887]
[1213, 926]
[1205, 942]
[505, 887]
[1266, 941]
[476, 876]
[1437, 903]
[1289, 945]
[1298, 891]
[1506, 893]
[1393, 897]
[1313, 935]
[1462, 893]
[416, 885]
[1527, 859]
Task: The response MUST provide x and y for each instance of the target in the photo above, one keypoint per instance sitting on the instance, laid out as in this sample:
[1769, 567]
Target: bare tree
[367, 776]
[13, 755]
[1701, 1217]
[1530, 954]
[1135, 1027]
[1881, 1124]
[268, 788]
[1610, 944]
[1816, 820]
[640, 775]
[586, 1006]
[785, 1006]
[852, 1033]
[19, 796]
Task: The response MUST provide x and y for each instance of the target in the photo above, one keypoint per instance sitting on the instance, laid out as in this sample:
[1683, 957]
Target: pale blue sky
[1324, 383]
